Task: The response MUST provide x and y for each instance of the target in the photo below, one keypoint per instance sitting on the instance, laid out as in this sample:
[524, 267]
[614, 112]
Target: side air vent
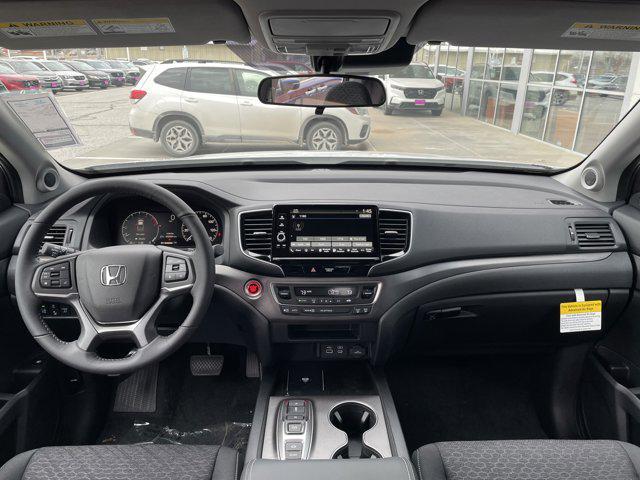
[57, 235]
[594, 235]
[255, 233]
[395, 231]
[562, 202]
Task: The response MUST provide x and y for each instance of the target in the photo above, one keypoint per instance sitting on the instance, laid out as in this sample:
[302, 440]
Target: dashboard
[311, 260]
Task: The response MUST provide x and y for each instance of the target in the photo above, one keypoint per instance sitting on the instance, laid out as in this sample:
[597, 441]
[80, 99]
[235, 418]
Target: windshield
[22, 66]
[534, 109]
[80, 65]
[98, 64]
[55, 66]
[413, 71]
[5, 69]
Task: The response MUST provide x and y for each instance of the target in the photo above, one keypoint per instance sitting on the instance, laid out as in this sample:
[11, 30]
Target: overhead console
[357, 33]
[325, 240]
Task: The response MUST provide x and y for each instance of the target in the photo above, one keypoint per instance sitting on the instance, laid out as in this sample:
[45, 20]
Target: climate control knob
[281, 237]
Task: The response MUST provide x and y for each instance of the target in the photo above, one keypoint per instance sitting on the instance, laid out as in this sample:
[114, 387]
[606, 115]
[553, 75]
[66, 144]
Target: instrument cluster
[161, 227]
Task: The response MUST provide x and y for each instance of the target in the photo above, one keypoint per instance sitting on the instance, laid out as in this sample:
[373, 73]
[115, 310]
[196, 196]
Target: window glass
[494, 64]
[413, 71]
[543, 66]
[55, 66]
[80, 65]
[173, 77]
[535, 111]
[5, 69]
[473, 101]
[512, 64]
[488, 103]
[248, 82]
[506, 105]
[599, 114]
[479, 61]
[572, 68]
[563, 117]
[211, 80]
[609, 71]
[23, 67]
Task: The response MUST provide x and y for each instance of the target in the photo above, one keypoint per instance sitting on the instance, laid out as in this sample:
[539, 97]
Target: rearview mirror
[326, 91]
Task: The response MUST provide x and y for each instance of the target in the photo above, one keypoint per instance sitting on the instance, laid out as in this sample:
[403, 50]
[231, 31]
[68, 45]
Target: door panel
[210, 97]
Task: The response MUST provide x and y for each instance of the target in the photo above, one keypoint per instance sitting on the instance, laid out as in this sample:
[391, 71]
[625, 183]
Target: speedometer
[140, 228]
[210, 225]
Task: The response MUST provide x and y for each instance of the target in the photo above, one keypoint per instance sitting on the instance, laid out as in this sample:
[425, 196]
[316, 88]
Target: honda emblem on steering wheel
[113, 275]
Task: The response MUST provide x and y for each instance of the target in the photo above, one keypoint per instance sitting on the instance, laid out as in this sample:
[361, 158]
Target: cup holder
[354, 419]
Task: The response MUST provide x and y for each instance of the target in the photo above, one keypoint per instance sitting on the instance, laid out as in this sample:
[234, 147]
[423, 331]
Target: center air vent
[57, 235]
[592, 235]
[255, 233]
[395, 231]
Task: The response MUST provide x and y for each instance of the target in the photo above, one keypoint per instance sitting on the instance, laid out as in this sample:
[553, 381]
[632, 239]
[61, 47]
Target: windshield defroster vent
[593, 235]
[255, 233]
[395, 231]
[57, 235]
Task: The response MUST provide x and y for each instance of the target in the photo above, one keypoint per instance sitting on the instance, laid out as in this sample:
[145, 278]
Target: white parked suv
[414, 87]
[183, 105]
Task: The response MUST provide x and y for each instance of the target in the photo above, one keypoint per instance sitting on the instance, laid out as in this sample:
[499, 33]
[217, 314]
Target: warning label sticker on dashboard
[581, 316]
[603, 31]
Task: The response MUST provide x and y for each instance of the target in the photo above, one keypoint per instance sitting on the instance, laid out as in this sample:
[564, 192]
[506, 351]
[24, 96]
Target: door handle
[191, 100]
[246, 103]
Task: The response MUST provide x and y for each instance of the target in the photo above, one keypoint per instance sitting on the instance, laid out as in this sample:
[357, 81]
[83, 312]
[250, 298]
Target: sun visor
[118, 23]
[555, 24]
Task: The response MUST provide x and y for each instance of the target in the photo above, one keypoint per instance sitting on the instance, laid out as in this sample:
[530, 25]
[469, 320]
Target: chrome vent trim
[256, 230]
[394, 231]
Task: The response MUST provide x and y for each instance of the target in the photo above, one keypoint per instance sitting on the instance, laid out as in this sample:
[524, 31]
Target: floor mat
[479, 398]
[192, 410]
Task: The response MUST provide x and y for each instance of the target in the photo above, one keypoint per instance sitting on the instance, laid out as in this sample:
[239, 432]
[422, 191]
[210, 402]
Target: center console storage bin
[394, 468]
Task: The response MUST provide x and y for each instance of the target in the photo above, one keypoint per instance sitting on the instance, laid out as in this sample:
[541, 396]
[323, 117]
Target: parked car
[13, 81]
[117, 76]
[95, 77]
[609, 81]
[561, 79]
[185, 105]
[414, 87]
[71, 79]
[48, 80]
[131, 72]
[453, 78]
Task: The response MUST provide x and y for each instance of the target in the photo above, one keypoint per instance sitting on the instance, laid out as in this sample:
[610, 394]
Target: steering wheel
[117, 292]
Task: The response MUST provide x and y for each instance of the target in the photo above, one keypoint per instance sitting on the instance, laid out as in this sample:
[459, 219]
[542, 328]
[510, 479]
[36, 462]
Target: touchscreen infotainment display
[324, 231]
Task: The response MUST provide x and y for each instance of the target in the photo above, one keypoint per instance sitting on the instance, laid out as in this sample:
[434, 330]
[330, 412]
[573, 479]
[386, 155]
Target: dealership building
[570, 99]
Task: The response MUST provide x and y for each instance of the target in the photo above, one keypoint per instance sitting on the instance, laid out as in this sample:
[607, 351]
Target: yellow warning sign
[603, 31]
[110, 26]
[580, 316]
[46, 28]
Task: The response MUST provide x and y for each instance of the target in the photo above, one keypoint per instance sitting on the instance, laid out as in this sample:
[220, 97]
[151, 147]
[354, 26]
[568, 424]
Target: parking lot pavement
[101, 120]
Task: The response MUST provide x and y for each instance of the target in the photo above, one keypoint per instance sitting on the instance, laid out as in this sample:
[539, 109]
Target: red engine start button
[253, 288]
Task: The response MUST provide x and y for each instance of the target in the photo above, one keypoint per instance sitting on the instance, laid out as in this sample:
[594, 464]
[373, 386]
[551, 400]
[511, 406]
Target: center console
[317, 292]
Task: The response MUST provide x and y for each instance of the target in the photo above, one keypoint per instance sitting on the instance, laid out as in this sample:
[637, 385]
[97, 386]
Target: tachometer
[210, 224]
[140, 228]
